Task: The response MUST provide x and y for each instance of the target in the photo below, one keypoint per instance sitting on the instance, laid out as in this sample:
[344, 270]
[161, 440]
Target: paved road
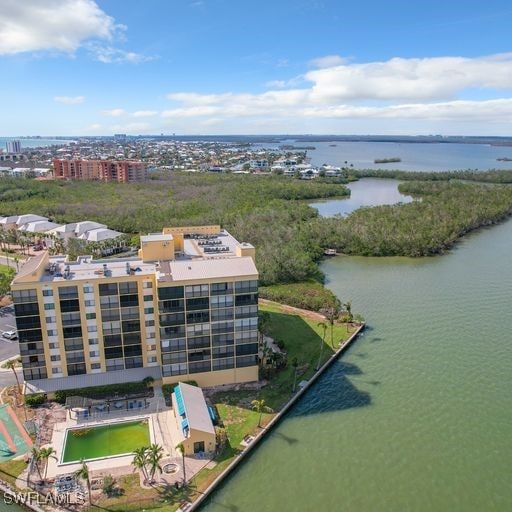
[8, 348]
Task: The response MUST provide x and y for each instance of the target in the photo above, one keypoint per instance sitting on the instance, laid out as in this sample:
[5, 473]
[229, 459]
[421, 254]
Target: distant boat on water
[387, 160]
[330, 252]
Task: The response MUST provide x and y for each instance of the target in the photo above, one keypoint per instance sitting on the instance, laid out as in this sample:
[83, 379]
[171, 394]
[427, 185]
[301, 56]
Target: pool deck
[162, 429]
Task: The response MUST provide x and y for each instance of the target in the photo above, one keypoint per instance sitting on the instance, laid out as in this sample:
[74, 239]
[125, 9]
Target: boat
[330, 252]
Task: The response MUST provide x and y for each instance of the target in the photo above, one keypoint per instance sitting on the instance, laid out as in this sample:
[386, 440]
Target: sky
[187, 67]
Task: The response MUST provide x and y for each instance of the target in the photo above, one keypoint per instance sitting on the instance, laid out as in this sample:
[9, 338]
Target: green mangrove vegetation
[272, 213]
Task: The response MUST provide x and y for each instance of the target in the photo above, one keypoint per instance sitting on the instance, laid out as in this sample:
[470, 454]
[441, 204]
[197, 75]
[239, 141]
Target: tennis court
[14, 440]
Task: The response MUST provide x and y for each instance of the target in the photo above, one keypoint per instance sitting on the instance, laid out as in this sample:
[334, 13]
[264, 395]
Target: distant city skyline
[80, 67]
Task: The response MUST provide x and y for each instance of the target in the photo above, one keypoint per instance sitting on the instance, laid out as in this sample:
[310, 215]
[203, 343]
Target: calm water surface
[414, 156]
[417, 415]
[365, 192]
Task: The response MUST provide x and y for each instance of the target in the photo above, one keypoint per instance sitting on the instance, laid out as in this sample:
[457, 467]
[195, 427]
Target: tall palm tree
[83, 473]
[323, 326]
[295, 364]
[46, 454]
[181, 448]
[155, 453]
[36, 457]
[11, 365]
[140, 461]
[260, 407]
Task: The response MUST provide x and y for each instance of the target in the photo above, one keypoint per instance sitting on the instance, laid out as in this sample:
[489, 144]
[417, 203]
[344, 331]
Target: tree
[295, 364]
[155, 454]
[323, 326]
[36, 457]
[140, 461]
[11, 365]
[260, 407]
[181, 448]
[109, 484]
[5, 281]
[332, 313]
[46, 454]
[83, 473]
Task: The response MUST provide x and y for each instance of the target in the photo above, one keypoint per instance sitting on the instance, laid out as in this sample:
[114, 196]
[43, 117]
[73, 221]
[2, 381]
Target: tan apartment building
[124, 171]
[185, 309]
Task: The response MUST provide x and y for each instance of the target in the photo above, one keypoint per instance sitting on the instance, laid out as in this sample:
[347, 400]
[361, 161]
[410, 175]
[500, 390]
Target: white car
[10, 335]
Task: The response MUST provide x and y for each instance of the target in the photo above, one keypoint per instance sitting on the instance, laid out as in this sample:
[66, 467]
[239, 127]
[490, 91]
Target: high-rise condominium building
[13, 146]
[101, 170]
[185, 309]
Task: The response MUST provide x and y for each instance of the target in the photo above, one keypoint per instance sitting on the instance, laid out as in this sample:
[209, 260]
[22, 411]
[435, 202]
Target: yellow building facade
[184, 309]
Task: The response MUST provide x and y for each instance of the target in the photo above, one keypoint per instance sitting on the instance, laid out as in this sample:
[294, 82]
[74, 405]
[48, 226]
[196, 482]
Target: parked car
[10, 335]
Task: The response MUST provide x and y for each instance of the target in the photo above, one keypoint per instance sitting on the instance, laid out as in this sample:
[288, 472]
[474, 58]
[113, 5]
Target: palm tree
[45, 454]
[260, 407]
[140, 461]
[36, 457]
[155, 453]
[11, 365]
[348, 309]
[83, 473]
[295, 364]
[181, 448]
[323, 326]
[331, 314]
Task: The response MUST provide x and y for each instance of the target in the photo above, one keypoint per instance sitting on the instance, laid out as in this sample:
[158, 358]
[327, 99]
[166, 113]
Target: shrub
[35, 400]
[96, 391]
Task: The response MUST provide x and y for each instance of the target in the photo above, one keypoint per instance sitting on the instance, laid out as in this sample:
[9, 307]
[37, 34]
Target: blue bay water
[414, 156]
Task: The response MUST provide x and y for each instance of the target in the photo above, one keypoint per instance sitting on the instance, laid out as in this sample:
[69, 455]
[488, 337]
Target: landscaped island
[387, 160]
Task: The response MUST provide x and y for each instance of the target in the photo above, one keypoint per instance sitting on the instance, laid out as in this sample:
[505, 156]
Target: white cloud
[114, 112]
[33, 25]
[69, 100]
[144, 113]
[328, 61]
[423, 89]
[410, 79]
[109, 54]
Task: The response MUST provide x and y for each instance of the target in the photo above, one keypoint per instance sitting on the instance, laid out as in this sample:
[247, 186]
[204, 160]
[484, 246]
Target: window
[56, 371]
[90, 316]
[200, 367]
[243, 361]
[171, 306]
[170, 292]
[220, 327]
[128, 288]
[129, 300]
[248, 348]
[69, 305]
[88, 288]
[108, 289]
[197, 290]
[48, 307]
[92, 328]
[68, 292]
[198, 330]
[174, 369]
[220, 352]
[90, 303]
[152, 359]
[148, 298]
[55, 358]
[19, 296]
[93, 341]
[72, 318]
[95, 366]
[150, 335]
[246, 324]
[51, 320]
[195, 317]
[246, 286]
[149, 323]
[147, 284]
[221, 288]
[199, 447]
[51, 332]
[149, 311]
[222, 301]
[53, 345]
[223, 339]
[200, 303]
[246, 337]
[94, 353]
[223, 364]
[47, 293]
[131, 326]
[109, 302]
